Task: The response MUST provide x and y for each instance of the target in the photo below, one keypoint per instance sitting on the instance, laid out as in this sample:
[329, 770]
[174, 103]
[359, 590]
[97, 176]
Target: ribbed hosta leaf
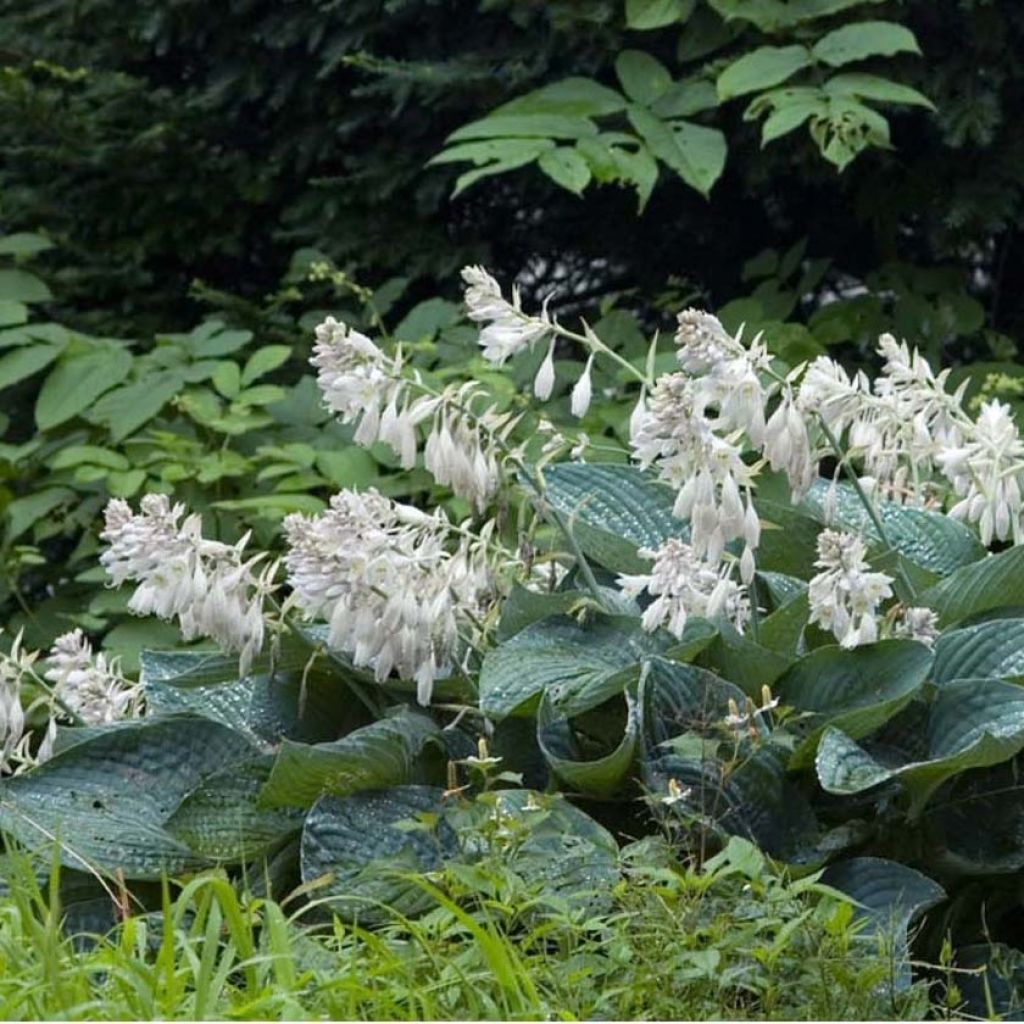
[579, 667]
[972, 724]
[929, 539]
[107, 798]
[358, 847]
[221, 819]
[854, 690]
[613, 510]
[272, 701]
[993, 649]
[598, 776]
[994, 582]
[385, 753]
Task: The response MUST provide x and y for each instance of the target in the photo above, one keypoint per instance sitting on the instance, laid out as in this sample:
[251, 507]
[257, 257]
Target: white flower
[987, 473]
[384, 578]
[683, 585]
[508, 329]
[844, 596]
[88, 684]
[788, 447]
[703, 342]
[828, 391]
[205, 584]
[16, 755]
[582, 391]
[544, 382]
[921, 624]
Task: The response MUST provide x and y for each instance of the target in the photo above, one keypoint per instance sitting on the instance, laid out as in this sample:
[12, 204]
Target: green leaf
[24, 513]
[508, 127]
[854, 690]
[87, 454]
[890, 895]
[644, 78]
[600, 777]
[566, 167]
[384, 753]
[644, 15]
[989, 649]
[24, 362]
[106, 799]
[773, 15]
[74, 384]
[263, 360]
[571, 97]
[579, 667]
[23, 243]
[227, 378]
[358, 847]
[872, 87]
[125, 409]
[993, 582]
[21, 286]
[12, 314]
[864, 39]
[612, 510]
[220, 819]
[973, 723]
[697, 154]
[686, 98]
[788, 117]
[761, 69]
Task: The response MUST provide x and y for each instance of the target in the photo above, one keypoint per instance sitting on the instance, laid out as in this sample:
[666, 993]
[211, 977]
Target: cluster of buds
[209, 587]
[89, 684]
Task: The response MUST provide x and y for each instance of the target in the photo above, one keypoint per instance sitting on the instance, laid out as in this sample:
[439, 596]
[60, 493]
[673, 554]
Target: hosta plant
[788, 609]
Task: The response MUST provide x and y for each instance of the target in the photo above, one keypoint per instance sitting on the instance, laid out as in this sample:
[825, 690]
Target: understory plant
[786, 610]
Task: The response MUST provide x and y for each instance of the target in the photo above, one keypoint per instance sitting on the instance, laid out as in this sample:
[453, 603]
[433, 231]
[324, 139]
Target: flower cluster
[394, 584]
[844, 596]
[88, 684]
[683, 584]
[15, 742]
[507, 329]
[207, 586]
[366, 387]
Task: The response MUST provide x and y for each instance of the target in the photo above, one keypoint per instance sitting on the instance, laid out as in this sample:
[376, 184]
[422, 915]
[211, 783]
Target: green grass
[735, 941]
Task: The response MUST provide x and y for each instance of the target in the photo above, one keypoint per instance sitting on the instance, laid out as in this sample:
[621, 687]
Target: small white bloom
[88, 684]
[508, 329]
[582, 390]
[544, 382]
[844, 597]
[921, 624]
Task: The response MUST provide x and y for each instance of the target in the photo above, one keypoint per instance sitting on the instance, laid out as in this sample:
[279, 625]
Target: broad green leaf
[992, 582]
[23, 513]
[571, 97]
[761, 69]
[21, 286]
[227, 378]
[854, 690]
[787, 117]
[511, 163]
[773, 15]
[23, 243]
[384, 753]
[612, 510]
[426, 319]
[579, 667]
[789, 540]
[87, 454]
[523, 607]
[697, 154]
[12, 314]
[125, 409]
[643, 15]
[746, 662]
[864, 39]
[783, 630]
[686, 98]
[220, 818]
[973, 723]
[644, 78]
[270, 703]
[275, 506]
[263, 360]
[24, 362]
[872, 87]
[890, 895]
[566, 167]
[358, 847]
[994, 649]
[74, 384]
[106, 799]
[524, 126]
[601, 776]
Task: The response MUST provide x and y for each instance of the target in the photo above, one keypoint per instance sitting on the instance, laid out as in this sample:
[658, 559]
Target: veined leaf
[994, 649]
[761, 69]
[864, 39]
[993, 582]
[74, 384]
[644, 78]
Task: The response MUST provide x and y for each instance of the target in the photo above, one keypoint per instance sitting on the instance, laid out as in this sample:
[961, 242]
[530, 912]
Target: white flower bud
[581, 392]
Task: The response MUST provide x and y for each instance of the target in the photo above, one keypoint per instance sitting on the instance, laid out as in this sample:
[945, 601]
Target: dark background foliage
[166, 141]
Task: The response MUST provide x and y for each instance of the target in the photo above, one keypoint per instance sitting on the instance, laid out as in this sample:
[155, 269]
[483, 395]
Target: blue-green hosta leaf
[854, 690]
[789, 540]
[744, 661]
[600, 776]
[973, 723]
[992, 982]
[890, 895]
[993, 582]
[994, 649]
[107, 799]
[579, 667]
[928, 539]
[359, 846]
[613, 510]
[269, 703]
[221, 819]
[389, 752]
